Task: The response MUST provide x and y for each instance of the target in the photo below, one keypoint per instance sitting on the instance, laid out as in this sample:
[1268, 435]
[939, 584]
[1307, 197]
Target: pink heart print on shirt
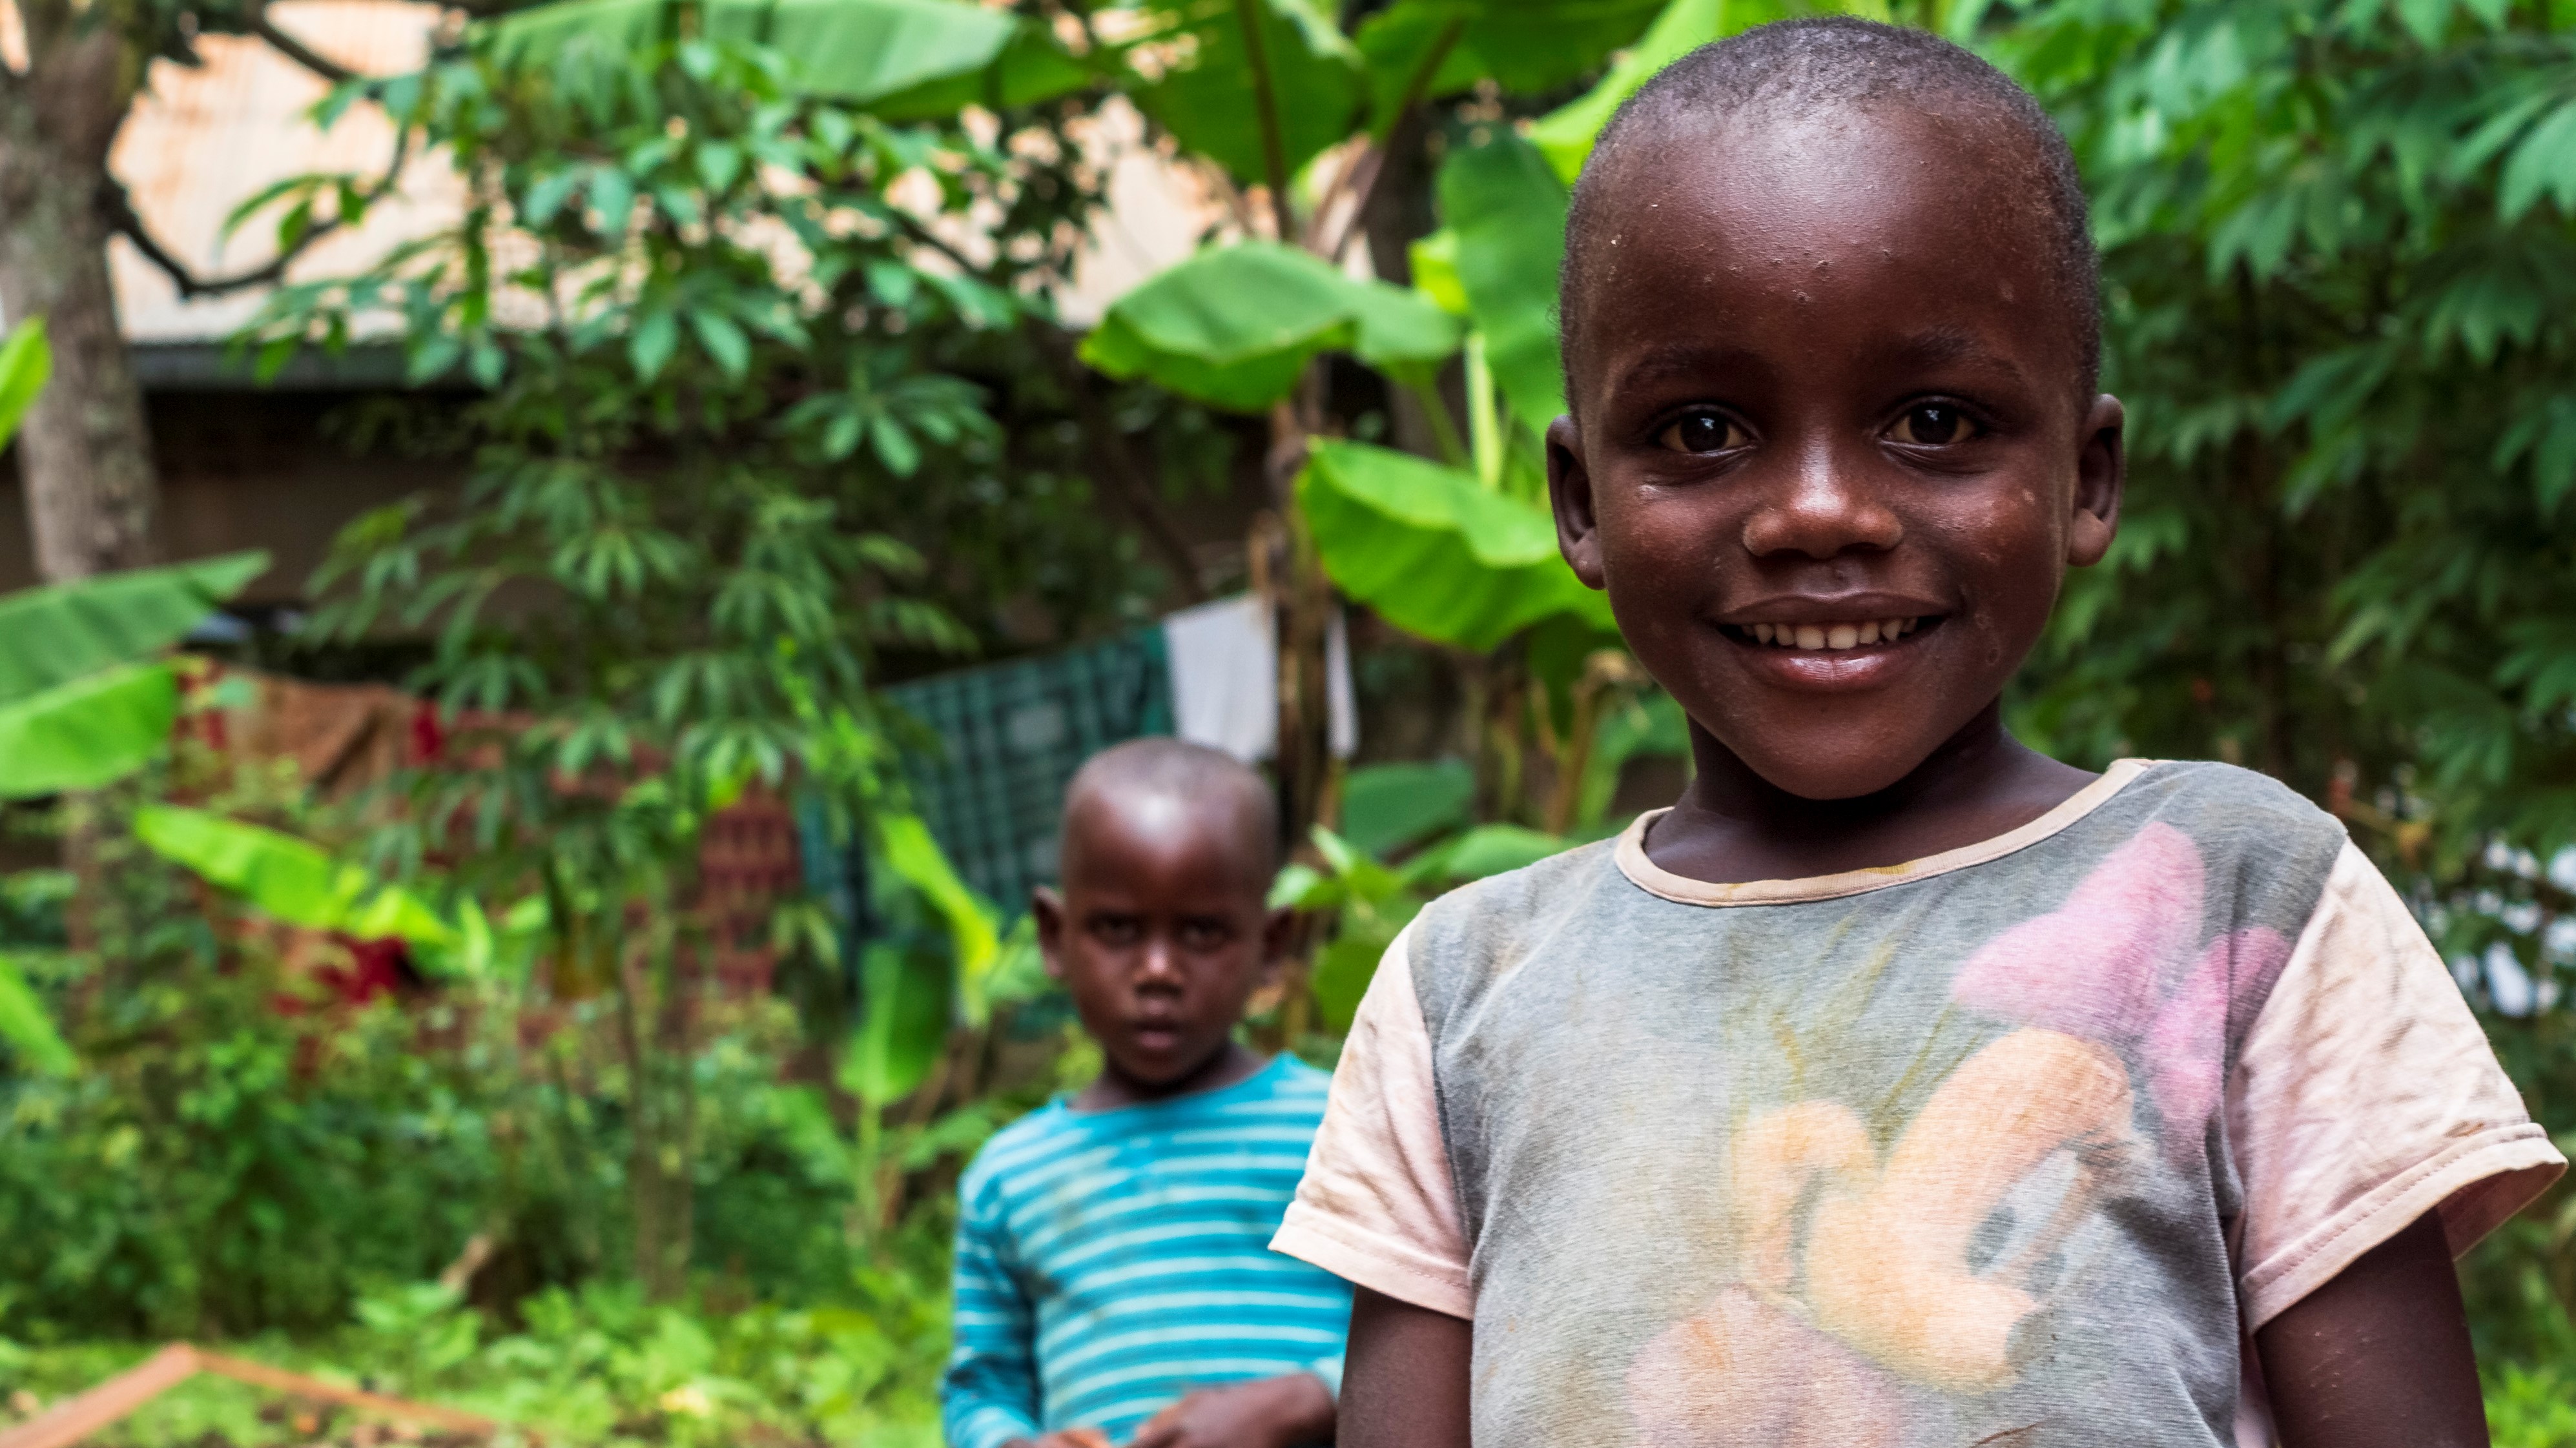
[2121, 963]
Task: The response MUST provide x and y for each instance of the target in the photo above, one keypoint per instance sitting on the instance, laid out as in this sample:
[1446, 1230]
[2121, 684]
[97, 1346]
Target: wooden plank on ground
[76, 1417]
[280, 1380]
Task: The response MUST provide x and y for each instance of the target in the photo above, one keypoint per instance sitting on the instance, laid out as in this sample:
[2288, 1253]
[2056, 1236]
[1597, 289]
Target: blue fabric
[1109, 1262]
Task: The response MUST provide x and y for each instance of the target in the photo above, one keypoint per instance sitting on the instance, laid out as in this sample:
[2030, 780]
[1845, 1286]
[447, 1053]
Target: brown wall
[243, 470]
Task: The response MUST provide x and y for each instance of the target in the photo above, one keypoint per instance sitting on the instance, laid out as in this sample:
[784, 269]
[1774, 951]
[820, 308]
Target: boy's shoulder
[2209, 787]
[1015, 1147]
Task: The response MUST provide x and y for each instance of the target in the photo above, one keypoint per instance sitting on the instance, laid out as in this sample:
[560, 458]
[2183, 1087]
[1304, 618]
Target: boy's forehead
[1929, 213]
[1124, 820]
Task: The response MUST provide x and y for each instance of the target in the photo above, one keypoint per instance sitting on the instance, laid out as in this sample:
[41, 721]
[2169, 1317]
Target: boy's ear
[1278, 927]
[1048, 907]
[1569, 492]
[2101, 475]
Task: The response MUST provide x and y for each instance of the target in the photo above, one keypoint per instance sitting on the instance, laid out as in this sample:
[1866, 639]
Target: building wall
[245, 470]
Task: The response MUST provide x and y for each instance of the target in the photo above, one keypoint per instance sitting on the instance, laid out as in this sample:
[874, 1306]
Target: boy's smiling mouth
[1835, 635]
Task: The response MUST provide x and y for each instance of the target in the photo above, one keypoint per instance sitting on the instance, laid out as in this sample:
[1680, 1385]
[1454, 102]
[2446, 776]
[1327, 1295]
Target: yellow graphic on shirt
[1886, 1296]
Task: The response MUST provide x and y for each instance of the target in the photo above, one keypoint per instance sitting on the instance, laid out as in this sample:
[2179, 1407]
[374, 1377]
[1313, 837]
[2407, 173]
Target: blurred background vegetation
[771, 399]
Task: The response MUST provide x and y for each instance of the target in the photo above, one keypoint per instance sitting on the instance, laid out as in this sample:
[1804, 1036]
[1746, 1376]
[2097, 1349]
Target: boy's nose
[1820, 508]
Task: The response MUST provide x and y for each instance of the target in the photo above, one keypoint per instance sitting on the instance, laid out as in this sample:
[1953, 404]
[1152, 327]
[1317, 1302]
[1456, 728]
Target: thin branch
[296, 50]
[1361, 179]
[123, 220]
[1265, 105]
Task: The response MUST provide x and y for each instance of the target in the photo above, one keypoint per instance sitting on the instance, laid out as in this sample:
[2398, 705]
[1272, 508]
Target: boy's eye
[1203, 934]
[1934, 424]
[1117, 929]
[1702, 432]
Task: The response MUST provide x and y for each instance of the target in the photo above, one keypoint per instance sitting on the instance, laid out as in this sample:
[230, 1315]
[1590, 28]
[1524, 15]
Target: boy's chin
[1157, 1066]
[1831, 769]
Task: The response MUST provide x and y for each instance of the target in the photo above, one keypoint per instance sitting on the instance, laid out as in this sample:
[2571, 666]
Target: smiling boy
[1112, 1278]
[1899, 1085]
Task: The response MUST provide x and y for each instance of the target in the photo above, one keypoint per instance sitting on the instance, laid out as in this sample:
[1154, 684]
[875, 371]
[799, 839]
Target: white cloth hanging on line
[1224, 662]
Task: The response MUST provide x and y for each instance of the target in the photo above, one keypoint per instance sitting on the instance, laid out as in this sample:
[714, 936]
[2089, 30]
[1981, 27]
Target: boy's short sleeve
[1378, 1206]
[2365, 1096]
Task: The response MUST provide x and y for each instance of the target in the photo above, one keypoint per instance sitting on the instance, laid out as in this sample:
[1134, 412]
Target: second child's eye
[1934, 424]
[1702, 432]
[1117, 930]
[1204, 934]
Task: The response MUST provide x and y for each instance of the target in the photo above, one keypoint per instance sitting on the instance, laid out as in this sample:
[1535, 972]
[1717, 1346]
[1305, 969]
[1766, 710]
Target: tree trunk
[83, 454]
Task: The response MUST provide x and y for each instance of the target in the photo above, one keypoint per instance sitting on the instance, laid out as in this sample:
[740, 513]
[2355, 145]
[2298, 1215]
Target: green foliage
[1235, 326]
[286, 878]
[1507, 210]
[1434, 552]
[26, 361]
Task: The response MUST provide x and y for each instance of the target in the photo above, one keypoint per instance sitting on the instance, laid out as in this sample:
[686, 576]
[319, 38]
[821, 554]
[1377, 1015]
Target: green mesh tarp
[1009, 736]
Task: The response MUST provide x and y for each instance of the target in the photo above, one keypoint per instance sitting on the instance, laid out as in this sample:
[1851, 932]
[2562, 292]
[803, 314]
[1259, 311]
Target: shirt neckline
[1655, 880]
[1269, 1068]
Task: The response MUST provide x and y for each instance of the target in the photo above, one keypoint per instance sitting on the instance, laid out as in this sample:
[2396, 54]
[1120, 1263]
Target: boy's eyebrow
[1940, 346]
[1685, 359]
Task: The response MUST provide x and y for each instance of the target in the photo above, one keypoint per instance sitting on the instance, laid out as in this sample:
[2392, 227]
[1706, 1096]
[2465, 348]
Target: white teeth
[1833, 636]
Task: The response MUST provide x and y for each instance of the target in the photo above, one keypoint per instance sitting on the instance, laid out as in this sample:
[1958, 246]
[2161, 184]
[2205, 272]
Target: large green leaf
[57, 633]
[1385, 806]
[1507, 211]
[1527, 47]
[1030, 68]
[1205, 91]
[910, 57]
[1234, 325]
[27, 1026]
[903, 1023]
[1433, 551]
[1565, 135]
[88, 733]
[26, 361]
[904, 843]
[286, 878]
[543, 35]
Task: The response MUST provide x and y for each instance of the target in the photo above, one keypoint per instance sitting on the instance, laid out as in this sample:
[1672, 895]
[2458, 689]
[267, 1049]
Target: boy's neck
[1114, 1088]
[1733, 825]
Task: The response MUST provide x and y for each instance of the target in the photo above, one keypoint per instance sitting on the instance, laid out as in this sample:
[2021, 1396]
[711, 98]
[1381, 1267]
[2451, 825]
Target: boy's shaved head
[1798, 68]
[1170, 777]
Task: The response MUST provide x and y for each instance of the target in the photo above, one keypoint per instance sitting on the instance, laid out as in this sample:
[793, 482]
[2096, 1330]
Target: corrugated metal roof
[203, 139]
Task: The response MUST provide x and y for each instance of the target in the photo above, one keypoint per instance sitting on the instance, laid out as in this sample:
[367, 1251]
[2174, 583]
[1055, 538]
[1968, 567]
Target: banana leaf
[1506, 210]
[27, 1026]
[52, 635]
[904, 843]
[1565, 135]
[903, 1023]
[1206, 89]
[1527, 47]
[286, 878]
[1234, 325]
[88, 733]
[907, 58]
[1434, 552]
[26, 361]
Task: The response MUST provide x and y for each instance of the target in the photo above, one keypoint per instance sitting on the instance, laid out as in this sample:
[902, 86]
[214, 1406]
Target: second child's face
[1827, 454]
[1160, 932]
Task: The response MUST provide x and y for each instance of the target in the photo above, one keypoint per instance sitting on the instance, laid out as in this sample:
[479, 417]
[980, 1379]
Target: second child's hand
[1282, 1412]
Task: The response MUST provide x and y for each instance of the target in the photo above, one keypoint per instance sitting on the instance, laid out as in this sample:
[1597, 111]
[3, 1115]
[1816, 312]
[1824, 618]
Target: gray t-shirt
[1934, 1155]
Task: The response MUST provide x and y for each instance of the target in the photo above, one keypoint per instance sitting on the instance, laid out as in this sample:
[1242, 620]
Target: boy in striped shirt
[1114, 1278]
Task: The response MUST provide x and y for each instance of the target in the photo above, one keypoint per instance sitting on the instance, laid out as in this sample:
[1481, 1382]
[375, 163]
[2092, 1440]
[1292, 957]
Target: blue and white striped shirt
[1110, 1261]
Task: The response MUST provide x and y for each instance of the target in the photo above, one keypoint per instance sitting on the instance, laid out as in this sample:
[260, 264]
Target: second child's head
[1160, 929]
[1832, 335]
